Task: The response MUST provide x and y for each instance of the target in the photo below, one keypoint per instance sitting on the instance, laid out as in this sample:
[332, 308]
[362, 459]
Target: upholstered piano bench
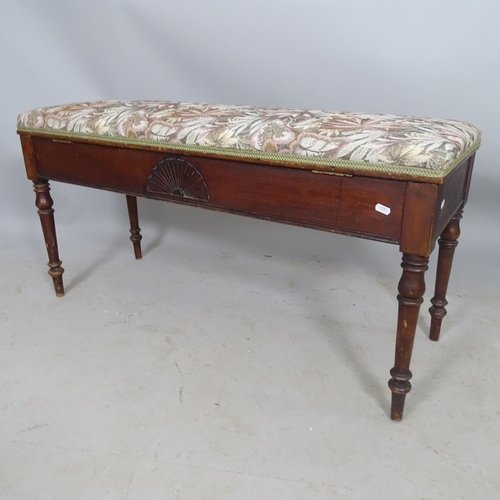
[396, 179]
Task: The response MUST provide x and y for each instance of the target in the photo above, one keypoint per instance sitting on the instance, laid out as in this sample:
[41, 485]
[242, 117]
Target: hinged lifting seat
[398, 179]
[382, 145]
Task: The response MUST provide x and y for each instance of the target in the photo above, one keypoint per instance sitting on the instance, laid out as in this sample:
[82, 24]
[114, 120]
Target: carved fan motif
[177, 177]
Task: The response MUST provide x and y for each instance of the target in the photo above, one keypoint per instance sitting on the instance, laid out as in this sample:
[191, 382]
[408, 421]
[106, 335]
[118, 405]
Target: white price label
[382, 209]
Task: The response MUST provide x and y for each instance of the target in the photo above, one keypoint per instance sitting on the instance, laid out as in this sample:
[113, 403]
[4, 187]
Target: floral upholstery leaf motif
[406, 141]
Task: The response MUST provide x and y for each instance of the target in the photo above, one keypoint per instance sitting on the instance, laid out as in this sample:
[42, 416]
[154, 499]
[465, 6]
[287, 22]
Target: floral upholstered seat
[413, 146]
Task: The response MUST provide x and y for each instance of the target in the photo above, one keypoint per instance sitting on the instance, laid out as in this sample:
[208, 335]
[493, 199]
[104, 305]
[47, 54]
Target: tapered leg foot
[411, 290]
[398, 404]
[135, 230]
[447, 242]
[46, 212]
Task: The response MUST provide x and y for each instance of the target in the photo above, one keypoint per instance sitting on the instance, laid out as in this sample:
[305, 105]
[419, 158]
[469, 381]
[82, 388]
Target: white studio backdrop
[427, 58]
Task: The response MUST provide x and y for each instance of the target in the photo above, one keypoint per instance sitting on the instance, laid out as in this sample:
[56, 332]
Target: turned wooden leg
[135, 230]
[46, 212]
[448, 241]
[411, 290]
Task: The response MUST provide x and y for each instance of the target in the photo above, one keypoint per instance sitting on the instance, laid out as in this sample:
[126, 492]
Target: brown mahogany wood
[46, 212]
[177, 177]
[291, 195]
[447, 244]
[399, 209]
[419, 218]
[411, 290]
[452, 195]
[135, 230]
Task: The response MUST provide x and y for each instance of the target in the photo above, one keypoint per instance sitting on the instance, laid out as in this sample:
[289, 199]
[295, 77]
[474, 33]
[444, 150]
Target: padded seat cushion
[413, 146]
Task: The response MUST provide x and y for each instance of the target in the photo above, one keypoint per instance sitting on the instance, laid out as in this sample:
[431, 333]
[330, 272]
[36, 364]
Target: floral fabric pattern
[319, 136]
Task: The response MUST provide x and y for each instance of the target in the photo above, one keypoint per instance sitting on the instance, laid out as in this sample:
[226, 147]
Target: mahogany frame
[410, 212]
